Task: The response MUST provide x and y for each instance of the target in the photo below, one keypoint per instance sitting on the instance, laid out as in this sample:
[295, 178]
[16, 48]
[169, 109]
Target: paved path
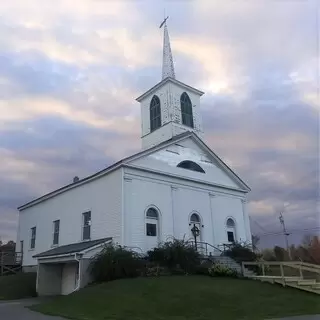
[15, 310]
[314, 317]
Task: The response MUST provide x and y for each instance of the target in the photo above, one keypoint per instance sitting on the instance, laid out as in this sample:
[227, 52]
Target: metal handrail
[206, 245]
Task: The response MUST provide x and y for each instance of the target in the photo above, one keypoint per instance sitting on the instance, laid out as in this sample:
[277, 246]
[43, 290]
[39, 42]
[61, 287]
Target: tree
[255, 241]
[268, 255]
[314, 250]
[9, 246]
[280, 253]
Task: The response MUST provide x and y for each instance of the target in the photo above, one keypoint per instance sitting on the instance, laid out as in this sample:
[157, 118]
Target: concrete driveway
[15, 310]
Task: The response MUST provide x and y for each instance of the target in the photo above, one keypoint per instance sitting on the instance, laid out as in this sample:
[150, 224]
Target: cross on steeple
[167, 60]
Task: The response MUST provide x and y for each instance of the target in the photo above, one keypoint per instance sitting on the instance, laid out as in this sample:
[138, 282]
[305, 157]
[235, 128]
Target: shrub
[176, 255]
[203, 268]
[115, 262]
[241, 252]
[219, 270]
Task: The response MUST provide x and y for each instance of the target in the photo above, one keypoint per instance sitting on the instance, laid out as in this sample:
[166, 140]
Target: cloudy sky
[70, 71]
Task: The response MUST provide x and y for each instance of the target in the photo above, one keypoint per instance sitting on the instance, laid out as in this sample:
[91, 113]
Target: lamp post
[195, 232]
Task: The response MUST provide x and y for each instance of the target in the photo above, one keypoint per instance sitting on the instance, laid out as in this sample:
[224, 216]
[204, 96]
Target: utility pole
[285, 233]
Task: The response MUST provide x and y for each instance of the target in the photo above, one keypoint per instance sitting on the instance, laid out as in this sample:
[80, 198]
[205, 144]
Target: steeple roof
[167, 60]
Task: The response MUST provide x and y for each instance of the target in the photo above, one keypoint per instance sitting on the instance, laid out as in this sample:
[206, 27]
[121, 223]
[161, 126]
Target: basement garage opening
[64, 269]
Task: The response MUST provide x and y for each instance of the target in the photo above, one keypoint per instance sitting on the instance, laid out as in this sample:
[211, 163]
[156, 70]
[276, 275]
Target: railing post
[282, 274]
[262, 266]
[242, 268]
[300, 271]
[1, 263]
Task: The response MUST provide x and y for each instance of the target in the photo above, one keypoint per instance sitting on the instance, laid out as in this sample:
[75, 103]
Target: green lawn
[180, 298]
[17, 286]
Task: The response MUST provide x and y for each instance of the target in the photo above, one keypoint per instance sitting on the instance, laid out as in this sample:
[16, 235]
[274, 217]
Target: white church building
[175, 182]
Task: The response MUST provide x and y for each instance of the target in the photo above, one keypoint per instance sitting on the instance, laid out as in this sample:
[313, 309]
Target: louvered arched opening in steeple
[155, 113]
[186, 110]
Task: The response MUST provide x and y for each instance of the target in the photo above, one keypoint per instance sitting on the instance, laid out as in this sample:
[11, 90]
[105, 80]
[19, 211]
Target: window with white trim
[152, 222]
[231, 230]
[186, 110]
[56, 231]
[33, 237]
[86, 229]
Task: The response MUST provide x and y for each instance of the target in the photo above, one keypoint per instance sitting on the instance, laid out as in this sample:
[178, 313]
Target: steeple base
[166, 132]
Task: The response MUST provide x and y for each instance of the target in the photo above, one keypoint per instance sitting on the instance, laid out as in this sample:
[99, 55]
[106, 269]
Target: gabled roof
[163, 82]
[72, 248]
[100, 173]
[133, 157]
[222, 164]
[198, 140]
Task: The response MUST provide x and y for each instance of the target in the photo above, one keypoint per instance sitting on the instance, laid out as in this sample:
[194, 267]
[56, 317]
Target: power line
[290, 232]
[258, 224]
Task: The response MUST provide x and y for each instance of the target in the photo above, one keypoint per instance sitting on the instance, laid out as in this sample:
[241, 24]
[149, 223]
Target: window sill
[31, 249]
[85, 240]
[54, 245]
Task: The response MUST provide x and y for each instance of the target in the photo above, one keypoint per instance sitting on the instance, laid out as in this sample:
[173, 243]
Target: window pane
[151, 229]
[86, 218]
[152, 213]
[55, 238]
[155, 113]
[195, 218]
[86, 233]
[230, 223]
[230, 236]
[56, 226]
[190, 165]
[33, 232]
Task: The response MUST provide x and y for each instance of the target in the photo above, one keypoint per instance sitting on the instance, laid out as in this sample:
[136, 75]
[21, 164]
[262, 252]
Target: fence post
[282, 274]
[242, 268]
[1, 263]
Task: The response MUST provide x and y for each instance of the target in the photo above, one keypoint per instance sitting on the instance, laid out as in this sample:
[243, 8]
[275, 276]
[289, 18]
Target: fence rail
[285, 270]
[10, 262]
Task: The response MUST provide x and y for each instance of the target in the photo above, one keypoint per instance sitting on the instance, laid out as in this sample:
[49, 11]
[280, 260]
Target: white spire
[167, 61]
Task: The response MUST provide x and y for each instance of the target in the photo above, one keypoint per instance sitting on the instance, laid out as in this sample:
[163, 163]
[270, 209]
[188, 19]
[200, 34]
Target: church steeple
[167, 60]
[170, 107]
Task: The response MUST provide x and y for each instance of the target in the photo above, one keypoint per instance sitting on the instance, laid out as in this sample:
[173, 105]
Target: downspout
[79, 272]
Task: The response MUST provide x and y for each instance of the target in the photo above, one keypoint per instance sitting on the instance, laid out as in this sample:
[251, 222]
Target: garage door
[69, 278]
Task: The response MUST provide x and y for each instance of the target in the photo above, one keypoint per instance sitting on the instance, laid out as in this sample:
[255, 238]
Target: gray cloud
[264, 122]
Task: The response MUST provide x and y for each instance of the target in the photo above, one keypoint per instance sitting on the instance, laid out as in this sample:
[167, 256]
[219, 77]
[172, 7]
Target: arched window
[186, 110]
[231, 230]
[155, 113]
[230, 223]
[152, 213]
[195, 228]
[152, 218]
[190, 165]
[194, 218]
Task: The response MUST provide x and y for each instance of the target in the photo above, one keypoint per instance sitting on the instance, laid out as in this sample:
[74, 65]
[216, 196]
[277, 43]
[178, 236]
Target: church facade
[174, 184]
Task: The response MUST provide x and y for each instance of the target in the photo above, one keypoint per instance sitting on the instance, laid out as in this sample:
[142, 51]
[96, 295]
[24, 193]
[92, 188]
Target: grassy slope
[17, 286]
[182, 297]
